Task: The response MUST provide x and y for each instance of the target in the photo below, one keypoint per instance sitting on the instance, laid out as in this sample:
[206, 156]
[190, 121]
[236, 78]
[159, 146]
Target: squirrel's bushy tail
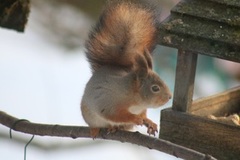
[125, 28]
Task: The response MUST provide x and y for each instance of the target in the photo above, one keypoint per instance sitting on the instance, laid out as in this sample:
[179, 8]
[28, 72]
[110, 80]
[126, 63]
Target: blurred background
[43, 73]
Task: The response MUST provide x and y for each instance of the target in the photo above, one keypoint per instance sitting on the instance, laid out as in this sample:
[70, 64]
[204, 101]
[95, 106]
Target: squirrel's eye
[155, 88]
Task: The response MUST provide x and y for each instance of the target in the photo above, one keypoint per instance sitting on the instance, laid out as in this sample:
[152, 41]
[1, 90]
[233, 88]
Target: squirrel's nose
[170, 96]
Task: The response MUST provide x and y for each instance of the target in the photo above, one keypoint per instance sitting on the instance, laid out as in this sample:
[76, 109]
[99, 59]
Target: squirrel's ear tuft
[148, 58]
[142, 67]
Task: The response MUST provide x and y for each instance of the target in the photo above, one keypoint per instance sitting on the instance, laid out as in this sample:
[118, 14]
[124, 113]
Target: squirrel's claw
[112, 129]
[152, 127]
[152, 131]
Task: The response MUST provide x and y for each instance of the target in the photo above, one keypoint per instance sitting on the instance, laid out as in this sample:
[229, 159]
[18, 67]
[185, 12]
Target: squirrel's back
[125, 28]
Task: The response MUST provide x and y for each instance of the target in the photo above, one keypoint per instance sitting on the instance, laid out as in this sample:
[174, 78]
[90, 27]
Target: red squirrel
[123, 84]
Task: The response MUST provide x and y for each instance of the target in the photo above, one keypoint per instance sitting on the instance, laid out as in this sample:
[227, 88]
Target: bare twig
[122, 136]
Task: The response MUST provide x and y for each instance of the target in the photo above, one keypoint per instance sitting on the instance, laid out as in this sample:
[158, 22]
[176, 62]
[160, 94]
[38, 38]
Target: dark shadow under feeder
[202, 27]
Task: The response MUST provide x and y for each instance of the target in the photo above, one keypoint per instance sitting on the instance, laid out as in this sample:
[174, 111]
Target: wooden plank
[234, 3]
[184, 81]
[199, 45]
[221, 104]
[197, 27]
[209, 10]
[201, 134]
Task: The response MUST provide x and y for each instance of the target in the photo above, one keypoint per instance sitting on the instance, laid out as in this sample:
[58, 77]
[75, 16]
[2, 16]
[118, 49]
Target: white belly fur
[136, 109]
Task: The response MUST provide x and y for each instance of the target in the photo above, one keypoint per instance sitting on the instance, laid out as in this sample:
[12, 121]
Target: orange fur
[125, 29]
[122, 115]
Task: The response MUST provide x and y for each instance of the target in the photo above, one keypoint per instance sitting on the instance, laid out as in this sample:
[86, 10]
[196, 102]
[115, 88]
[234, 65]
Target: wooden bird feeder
[212, 28]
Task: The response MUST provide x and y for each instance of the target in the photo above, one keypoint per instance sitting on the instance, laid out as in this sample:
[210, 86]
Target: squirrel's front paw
[152, 127]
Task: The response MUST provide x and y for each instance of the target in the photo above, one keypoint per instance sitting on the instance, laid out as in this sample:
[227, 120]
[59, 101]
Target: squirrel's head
[153, 91]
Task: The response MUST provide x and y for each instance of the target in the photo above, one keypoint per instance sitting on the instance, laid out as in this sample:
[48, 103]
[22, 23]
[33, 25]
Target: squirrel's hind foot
[94, 132]
[112, 129]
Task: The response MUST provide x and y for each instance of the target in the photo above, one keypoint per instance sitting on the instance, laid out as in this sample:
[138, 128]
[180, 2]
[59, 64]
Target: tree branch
[122, 136]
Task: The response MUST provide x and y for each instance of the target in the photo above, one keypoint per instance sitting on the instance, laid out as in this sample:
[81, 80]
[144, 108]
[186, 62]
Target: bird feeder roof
[210, 27]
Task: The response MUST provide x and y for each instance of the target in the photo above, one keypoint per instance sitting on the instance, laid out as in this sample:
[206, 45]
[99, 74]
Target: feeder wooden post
[184, 81]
